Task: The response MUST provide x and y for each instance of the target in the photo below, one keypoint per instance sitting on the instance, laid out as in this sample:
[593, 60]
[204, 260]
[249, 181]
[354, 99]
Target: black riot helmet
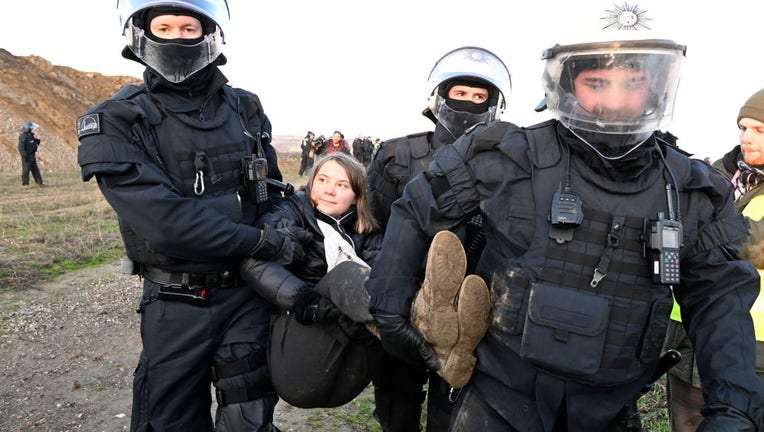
[174, 59]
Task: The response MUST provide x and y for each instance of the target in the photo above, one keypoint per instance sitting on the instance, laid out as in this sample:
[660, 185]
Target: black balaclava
[195, 82]
[456, 116]
[468, 106]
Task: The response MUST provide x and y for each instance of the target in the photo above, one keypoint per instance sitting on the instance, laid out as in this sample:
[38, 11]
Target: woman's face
[331, 191]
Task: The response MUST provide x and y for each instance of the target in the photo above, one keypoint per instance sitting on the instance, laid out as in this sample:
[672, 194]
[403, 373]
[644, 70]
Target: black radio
[255, 172]
[665, 239]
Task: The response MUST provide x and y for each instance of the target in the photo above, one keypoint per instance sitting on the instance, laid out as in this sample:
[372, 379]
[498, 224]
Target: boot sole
[434, 308]
[473, 313]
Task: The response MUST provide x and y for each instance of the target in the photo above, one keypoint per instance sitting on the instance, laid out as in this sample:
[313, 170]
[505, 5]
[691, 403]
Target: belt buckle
[227, 279]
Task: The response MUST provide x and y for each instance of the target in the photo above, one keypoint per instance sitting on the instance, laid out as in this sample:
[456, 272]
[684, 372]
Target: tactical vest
[204, 163]
[552, 308]
[412, 155]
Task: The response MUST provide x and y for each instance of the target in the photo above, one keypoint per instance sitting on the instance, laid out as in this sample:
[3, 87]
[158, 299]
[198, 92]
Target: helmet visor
[613, 87]
[174, 61]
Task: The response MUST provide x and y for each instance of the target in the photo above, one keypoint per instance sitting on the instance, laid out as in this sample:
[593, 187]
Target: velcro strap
[238, 367]
[246, 394]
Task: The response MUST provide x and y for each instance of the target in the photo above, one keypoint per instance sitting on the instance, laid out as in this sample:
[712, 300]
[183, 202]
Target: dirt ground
[68, 348]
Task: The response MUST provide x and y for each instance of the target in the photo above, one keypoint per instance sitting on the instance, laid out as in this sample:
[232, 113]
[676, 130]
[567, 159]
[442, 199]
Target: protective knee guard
[256, 415]
[242, 380]
[246, 399]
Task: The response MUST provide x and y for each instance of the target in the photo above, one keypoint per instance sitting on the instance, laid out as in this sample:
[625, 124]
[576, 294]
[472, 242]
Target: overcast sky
[361, 67]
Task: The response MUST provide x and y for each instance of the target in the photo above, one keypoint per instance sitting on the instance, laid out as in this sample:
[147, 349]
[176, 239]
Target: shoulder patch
[88, 124]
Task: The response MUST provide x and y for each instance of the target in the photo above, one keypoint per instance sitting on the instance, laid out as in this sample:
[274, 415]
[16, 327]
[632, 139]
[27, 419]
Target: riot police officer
[591, 223]
[28, 143]
[468, 85]
[184, 159]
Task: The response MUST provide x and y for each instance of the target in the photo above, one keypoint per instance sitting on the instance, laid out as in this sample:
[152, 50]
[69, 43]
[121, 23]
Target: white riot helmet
[472, 64]
[29, 126]
[174, 59]
[631, 99]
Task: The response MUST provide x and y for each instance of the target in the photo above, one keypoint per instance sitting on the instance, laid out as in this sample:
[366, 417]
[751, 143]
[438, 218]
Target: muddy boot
[473, 310]
[344, 286]
[433, 311]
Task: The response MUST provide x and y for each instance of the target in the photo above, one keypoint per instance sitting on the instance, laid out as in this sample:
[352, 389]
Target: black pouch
[193, 295]
[509, 300]
[565, 329]
[655, 333]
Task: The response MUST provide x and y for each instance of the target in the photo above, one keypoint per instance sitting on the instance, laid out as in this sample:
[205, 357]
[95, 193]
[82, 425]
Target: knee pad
[242, 380]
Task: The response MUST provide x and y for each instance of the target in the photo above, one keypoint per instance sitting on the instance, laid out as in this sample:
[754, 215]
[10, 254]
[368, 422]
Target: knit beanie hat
[753, 107]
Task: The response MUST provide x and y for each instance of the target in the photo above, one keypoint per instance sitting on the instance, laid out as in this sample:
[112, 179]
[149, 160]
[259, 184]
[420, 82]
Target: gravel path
[67, 352]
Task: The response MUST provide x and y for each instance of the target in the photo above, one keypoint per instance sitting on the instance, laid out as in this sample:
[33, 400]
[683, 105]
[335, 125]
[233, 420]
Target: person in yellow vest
[744, 166]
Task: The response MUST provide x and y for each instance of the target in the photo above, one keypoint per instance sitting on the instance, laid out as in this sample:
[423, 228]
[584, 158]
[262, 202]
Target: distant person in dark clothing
[308, 152]
[28, 143]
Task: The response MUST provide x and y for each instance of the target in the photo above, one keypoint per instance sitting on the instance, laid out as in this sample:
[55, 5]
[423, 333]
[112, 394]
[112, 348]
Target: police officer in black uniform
[453, 107]
[184, 160]
[28, 143]
[591, 224]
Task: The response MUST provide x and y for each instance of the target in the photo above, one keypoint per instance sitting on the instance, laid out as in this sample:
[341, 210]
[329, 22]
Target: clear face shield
[613, 95]
[174, 61]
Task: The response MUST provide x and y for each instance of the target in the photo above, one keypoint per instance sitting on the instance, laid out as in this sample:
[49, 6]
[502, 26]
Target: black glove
[282, 245]
[400, 339]
[722, 418]
[311, 307]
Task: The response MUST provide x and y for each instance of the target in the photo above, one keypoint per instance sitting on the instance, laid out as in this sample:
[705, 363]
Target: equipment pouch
[565, 329]
[655, 333]
[509, 300]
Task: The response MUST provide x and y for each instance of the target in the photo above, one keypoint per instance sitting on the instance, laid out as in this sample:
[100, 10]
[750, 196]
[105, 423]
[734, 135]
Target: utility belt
[191, 288]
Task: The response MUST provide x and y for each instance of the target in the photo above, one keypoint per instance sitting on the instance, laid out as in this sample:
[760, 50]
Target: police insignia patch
[89, 124]
[626, 17]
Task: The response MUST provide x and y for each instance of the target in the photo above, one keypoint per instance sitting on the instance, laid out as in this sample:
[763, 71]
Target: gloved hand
[400, 339]
[311, 307]
[283, 245]
[722, 418]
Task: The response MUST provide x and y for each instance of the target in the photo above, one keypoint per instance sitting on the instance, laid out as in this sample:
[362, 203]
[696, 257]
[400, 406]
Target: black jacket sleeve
[716, 294]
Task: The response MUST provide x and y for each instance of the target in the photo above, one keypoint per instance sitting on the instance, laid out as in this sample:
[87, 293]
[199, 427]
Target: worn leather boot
[433, 311]
[451, 311]
[473, 310]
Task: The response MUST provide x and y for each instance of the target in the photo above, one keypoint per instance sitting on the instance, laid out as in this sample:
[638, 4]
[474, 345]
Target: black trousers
[181, 341]
[28, 165]
[399, 394]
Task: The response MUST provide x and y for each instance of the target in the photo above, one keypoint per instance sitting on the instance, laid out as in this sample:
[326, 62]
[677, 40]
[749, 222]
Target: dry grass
[47, 231]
